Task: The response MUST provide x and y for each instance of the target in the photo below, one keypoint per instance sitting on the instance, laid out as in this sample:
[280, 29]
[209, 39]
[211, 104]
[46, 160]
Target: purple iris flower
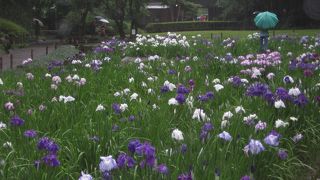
[282, 94]
[207, 127]
[191, 82]
[131, 118]
[171, 71]
[185, 176]
[30, 133]
[301, 100]
[51, 160]
[245, 177]
[163, 169]
[254, 147]
[181, 98]
[133, 145]
[273, 138]
[125, 160]
[47, 144]
[210, 94]
[236, 81]
[183, 148]
[182, 90]
[116, 108]
[225, 136]
[282, 154]
[203, 98]
[16, 121]
[164, 89]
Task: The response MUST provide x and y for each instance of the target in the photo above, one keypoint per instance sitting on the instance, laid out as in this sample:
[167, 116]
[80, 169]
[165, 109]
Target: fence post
[11, 61]
[47, 50]
[0, 63]
[31, 53]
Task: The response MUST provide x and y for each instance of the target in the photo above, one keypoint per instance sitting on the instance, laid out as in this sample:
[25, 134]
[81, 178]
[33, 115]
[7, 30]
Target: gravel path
[18, 55]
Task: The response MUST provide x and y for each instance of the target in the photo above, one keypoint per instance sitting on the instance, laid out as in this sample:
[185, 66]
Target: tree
[82, 8]
[178, 8]
[116, 10]
[136, 11]
[121, 10]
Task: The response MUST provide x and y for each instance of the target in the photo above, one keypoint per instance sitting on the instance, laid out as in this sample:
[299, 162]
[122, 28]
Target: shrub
[9, 27]
[192, 26]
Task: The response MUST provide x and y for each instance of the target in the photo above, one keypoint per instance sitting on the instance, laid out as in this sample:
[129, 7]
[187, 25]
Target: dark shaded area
[290, 12]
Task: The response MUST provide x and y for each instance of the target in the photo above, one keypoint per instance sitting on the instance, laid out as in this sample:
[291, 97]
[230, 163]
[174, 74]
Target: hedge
[193, 26]
[9, 27]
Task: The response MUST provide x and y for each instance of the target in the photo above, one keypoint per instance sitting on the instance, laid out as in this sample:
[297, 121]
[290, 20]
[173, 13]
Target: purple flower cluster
[208, 96]
[235, 81]
[51, 160]
[164, 89]
[107, 46]
[147, 151]
[182, 90]
[55, 64]
[125, 160]
[144, 150]
[185, 176]
[262, 90]
[258, 89]
[262, 60]
[47, 144]
[282, 93]
[308, 62]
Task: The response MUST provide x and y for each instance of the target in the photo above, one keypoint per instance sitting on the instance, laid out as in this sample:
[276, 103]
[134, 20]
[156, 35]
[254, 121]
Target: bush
[193, 26]
[11, 28]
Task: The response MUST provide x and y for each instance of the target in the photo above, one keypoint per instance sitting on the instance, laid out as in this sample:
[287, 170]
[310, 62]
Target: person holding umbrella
[265, 21]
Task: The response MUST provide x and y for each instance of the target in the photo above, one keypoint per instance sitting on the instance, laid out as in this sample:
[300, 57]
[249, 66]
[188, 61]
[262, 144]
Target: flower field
[165, 107]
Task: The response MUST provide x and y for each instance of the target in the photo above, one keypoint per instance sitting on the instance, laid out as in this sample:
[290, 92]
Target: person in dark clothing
[264, 35]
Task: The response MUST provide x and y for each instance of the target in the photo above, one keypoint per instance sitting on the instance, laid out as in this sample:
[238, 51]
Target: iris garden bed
[183, 108]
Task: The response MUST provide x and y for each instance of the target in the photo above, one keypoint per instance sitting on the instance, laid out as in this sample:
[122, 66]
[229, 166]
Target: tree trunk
[83, 22]
[178, 13]
[120, 29]
[172, 13]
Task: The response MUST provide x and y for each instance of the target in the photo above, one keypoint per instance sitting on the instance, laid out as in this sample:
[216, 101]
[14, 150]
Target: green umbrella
[266, 20]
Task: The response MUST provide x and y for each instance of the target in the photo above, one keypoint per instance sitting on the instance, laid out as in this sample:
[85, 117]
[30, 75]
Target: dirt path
[18, 55]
